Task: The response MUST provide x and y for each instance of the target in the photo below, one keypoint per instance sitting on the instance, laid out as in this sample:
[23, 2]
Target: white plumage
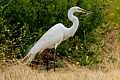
[54, 36]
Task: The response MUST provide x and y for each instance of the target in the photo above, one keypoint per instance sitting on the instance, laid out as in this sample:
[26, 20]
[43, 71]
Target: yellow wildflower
[77, 63]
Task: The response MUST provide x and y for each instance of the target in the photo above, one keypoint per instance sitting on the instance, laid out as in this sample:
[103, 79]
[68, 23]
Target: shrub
[23, 22]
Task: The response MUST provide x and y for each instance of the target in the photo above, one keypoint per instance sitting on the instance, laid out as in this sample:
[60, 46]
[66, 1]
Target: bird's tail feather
[28, 58]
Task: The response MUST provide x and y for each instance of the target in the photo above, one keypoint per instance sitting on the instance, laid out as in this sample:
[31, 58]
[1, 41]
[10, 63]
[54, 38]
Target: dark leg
[47, 62]
[54, 59]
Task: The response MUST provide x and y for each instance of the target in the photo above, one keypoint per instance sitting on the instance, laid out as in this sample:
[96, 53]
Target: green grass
[118, 37]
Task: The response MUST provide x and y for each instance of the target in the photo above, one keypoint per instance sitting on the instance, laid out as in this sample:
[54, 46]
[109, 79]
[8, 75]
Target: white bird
[54, 36]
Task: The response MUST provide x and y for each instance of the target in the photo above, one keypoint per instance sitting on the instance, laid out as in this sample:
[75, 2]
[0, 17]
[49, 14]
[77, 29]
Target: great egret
[54, 36]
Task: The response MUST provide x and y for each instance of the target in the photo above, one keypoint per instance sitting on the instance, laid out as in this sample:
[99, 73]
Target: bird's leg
[47, 62]
[46, 55]
[55, 55]
[54, 59]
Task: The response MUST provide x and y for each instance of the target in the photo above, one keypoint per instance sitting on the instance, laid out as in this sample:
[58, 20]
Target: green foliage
[59, 63]
[23, 22]
[118, 37]
[111, 59]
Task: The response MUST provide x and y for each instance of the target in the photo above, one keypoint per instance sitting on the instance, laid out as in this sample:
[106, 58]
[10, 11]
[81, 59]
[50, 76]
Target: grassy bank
[108, 70]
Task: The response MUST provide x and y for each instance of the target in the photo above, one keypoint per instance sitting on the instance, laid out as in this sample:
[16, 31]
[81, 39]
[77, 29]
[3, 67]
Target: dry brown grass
[105, 71]
[21, 72]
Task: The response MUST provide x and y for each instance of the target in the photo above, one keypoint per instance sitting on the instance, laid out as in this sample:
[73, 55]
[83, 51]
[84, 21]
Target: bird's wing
[49, 39]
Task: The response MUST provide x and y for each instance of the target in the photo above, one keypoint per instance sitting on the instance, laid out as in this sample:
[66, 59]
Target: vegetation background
[23, 22]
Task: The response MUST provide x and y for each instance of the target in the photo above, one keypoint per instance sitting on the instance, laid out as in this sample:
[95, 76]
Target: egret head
[78, 9]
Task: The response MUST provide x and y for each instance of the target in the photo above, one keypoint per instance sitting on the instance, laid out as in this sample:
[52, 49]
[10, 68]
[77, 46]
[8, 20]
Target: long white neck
[71, 31]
